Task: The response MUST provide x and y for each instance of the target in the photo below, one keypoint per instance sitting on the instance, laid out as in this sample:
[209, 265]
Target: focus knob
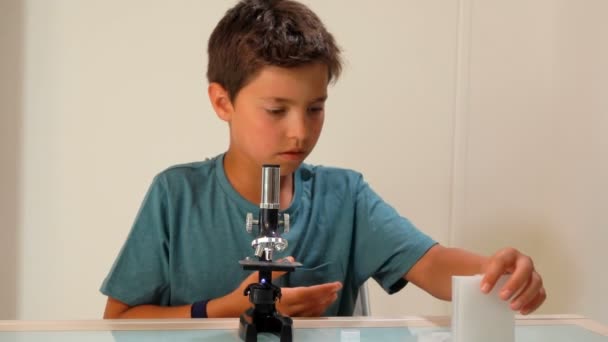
[249, 222]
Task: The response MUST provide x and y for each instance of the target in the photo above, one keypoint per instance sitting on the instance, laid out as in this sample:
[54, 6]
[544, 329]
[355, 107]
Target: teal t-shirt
[190, 234]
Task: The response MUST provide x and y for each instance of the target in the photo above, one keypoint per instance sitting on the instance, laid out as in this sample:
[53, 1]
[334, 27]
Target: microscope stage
[269, 265]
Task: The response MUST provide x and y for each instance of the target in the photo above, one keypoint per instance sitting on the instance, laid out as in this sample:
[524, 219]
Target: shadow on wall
[11, 79]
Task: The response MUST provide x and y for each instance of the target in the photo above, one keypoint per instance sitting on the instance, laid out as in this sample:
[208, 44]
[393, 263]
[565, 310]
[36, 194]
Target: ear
[220, 101]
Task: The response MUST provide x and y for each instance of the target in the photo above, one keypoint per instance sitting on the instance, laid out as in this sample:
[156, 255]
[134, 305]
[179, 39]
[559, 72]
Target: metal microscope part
[263, 316]
[249, 222]
[264, 246]
[285, 223]
[269, 239]
[271, 175]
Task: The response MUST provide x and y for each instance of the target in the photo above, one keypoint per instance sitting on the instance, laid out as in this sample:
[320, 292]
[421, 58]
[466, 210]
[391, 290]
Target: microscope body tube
[269, 222]
[269, 207]
[270, 203]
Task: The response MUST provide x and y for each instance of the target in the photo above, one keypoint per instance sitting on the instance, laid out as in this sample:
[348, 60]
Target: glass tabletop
[528, 333]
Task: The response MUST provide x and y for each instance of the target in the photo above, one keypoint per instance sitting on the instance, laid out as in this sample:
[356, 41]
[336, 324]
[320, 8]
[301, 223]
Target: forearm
[151, 311]
[231, 305]
[433, 272]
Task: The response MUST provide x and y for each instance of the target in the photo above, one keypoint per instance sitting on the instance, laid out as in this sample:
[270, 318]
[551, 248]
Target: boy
[270, 63]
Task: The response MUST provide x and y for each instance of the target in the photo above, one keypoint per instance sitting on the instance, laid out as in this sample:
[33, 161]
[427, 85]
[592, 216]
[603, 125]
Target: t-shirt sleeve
[140, 273]
[386, 244]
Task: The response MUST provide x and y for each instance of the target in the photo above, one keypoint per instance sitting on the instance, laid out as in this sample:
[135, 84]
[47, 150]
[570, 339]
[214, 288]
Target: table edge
[299, 323]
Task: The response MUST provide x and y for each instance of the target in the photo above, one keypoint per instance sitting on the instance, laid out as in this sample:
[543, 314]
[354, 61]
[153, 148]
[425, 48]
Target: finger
[296, 308]
[323, 305]
[524, 268]
[322, 290]
[535, 303]
[326, 287]
[329, 300]
[497, 266]
[308, 301]
[311, 294]
[528, 293]
[288, 260]
[315, 308]
[324, 296]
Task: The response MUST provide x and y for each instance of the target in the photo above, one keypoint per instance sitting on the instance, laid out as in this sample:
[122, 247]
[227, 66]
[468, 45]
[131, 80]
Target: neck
[245, 176]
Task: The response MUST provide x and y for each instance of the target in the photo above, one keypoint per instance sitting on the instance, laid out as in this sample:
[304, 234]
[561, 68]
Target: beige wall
[536, 146]
[580, 183]
[11, 40]
[475, 119]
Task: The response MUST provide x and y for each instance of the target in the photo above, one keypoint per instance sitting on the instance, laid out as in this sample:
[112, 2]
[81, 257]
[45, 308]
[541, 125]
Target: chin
[289, 168]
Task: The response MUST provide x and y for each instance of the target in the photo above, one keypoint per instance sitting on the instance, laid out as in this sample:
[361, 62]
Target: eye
[316, 109]
[276, 111]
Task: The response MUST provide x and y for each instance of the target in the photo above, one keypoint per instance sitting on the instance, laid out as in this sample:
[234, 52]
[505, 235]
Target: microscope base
[263, 316]
[252, 322]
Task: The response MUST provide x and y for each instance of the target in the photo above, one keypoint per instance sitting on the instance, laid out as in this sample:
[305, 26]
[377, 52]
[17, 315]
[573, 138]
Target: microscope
[263, 316]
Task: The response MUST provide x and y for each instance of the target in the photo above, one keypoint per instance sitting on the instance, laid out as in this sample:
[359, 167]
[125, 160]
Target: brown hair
[258, 33]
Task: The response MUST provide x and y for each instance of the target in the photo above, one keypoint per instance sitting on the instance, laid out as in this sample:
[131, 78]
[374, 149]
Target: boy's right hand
[304, 301]
[308, 301]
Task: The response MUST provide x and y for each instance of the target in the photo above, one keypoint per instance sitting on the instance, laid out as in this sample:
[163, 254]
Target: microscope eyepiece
[271, 182]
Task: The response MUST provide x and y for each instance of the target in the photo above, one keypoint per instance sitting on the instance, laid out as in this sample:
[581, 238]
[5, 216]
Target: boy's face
[278, 116]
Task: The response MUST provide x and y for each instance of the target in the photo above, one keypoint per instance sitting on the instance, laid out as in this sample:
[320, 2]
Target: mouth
[293, 154]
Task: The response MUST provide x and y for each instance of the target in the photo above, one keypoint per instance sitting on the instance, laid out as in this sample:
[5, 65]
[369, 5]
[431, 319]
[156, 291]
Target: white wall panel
[536, 144]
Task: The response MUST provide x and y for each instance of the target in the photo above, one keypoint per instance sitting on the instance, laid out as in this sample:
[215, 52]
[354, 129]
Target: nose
[297, 126]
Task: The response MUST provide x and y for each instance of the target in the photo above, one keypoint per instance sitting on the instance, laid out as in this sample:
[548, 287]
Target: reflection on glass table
[414, 329]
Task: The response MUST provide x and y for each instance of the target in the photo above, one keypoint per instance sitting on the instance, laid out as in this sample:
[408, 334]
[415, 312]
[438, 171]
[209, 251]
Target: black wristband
[199, 309]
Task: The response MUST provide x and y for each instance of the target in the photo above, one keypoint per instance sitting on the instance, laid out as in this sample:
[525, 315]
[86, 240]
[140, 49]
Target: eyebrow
[284, 100]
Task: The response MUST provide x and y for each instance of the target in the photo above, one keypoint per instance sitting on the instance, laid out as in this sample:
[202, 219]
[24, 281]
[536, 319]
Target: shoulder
[329, 172]
[187, 173]
[331, 177]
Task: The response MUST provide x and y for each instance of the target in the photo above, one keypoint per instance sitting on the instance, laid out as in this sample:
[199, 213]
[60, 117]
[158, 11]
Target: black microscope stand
[263, 316]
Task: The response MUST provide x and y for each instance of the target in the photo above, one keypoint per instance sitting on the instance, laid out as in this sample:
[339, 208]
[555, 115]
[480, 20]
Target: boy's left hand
[525, 286]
